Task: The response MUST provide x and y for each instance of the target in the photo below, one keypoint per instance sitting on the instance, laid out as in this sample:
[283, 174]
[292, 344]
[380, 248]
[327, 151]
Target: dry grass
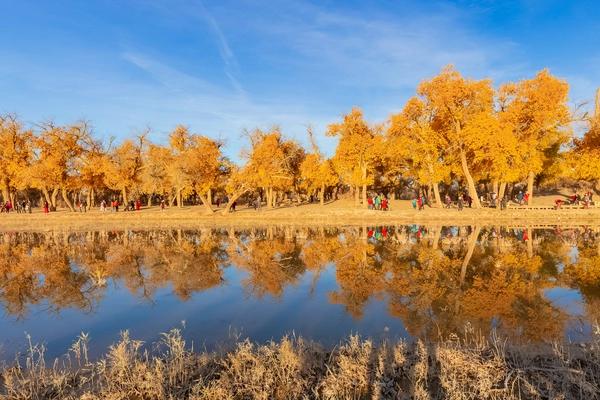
[297, 369]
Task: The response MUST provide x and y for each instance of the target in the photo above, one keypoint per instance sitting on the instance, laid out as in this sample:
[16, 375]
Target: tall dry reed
[294, 368]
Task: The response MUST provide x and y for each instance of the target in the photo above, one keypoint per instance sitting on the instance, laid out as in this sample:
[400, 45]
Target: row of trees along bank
[454, 130]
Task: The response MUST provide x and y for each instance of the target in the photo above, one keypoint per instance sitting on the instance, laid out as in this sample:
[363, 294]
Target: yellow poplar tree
[238, 183]
[583, 161]
[57, 154]
[123, 166]
[206, 164]
[455, 102]
[496, 153]
[413, 145]
[91, 172]
[358, 151]
[272, 163]
[154, 176]
[15, 154]
[178, 169]
[537, 112]
[316, 172]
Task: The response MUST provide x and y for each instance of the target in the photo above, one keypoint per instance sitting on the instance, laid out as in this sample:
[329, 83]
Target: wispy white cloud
[227, 55]
[380, 51]
[210, 109]
[167, 76]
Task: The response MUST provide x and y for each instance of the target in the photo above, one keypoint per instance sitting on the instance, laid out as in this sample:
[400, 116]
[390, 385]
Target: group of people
[420, 201]
[378, 202]
[522, 198]
[22, 207]
[464, 200]
[576, 199]
[115, 204]
[378, 233]
[461, 200]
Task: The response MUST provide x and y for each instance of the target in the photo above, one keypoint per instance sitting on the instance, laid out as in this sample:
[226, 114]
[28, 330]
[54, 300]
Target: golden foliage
[358, 151]
[454, 130]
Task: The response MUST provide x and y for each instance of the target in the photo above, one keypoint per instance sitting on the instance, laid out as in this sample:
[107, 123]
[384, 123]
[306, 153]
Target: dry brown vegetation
[294, 368]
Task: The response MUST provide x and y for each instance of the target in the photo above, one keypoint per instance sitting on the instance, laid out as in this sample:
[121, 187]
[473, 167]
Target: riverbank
[297, 369]
[336, 213]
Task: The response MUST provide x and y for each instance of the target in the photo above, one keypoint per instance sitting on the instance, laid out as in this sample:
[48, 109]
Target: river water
[526, 284]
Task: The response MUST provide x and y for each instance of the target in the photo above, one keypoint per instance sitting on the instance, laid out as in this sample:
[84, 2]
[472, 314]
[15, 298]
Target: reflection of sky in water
[571, 302]
[210, 317]
[574, 254]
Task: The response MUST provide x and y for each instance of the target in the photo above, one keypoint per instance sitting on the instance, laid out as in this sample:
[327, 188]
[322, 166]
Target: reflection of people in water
[378, 233]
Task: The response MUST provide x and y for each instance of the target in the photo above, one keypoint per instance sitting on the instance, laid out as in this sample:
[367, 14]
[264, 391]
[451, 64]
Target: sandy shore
[337, 213]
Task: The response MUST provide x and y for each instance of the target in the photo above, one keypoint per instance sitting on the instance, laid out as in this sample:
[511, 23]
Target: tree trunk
[436, 193]
[436, 237]
[206, 202]
[269, 193]
[469, 178]
[233, 199]
[149, 200]
[364, 188]
[356, 196]
[65, 196]
[46, 196]
[209, 197]
[322, 195]
[5, 190]
[502, 191]
[53, 198]
[510, 187]
[92, 198]
[273, 198]
[596, 187]
[471, 247]
[530, 178]
[124, 193]
[179, 205]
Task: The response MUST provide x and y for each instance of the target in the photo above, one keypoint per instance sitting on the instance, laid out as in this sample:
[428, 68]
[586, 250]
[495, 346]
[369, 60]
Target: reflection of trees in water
[271, 262]
[358, 273]
[485, 277]
[583, 272]
[41, 275]
[435, 279]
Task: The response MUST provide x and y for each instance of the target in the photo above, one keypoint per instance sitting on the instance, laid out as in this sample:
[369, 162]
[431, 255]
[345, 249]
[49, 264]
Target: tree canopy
[456, 136]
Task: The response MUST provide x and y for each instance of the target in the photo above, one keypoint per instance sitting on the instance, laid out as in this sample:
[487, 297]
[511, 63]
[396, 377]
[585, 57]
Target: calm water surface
[530, 285]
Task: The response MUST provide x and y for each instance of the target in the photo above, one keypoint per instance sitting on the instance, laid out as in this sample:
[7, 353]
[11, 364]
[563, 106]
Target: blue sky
[222, 66]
